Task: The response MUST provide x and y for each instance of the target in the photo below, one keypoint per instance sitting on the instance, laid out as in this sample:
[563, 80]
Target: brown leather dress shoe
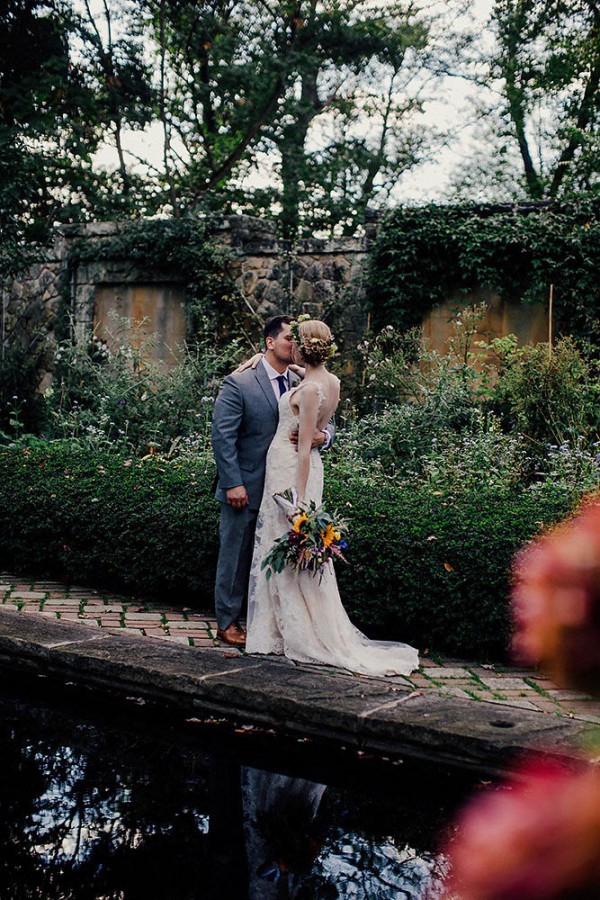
[234, 634]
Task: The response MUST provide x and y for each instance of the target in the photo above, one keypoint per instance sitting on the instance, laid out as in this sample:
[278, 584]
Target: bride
[295, 613]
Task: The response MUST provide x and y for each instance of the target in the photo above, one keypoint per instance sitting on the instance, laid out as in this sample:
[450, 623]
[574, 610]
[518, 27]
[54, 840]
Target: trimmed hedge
[150, 526]
[428, 567]
[433, 567]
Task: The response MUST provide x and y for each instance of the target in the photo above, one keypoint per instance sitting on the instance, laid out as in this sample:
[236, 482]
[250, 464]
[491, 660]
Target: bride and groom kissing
[272, 420]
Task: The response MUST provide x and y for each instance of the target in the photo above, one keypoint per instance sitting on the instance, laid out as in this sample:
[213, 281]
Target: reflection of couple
[268, 429]
[281, 838]
[263, 833]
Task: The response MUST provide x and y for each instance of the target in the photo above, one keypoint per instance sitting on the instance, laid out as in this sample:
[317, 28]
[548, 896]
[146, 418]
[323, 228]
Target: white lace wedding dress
[295, 613]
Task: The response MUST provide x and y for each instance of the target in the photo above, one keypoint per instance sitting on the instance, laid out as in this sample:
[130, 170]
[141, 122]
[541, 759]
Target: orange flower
[328, 535]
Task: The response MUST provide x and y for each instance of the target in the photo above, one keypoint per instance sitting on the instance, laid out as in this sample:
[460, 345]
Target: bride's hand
[298, 370]
[249, 364]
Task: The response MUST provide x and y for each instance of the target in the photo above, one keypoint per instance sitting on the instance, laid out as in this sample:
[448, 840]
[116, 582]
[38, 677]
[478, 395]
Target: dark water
[127, 803]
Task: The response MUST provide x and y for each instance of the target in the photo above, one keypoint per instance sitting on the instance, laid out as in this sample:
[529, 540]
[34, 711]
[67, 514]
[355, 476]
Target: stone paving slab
[443, 672]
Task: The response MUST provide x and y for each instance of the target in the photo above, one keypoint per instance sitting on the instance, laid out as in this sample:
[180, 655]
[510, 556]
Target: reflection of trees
[358, 866]
[107, 813]
[97, 814]
[384, 845]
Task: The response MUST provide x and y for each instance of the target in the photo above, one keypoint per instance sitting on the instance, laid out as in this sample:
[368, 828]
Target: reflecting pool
[122, 802]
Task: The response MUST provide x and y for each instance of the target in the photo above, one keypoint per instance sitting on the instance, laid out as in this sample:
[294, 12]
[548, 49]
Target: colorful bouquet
[316, 536]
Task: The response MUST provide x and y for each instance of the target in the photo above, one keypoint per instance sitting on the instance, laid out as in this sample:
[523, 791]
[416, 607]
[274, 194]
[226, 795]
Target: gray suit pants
[236, 535]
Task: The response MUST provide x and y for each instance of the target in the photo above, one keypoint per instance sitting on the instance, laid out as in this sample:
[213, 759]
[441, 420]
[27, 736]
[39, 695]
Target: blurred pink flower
[534, 838]
[556, 601]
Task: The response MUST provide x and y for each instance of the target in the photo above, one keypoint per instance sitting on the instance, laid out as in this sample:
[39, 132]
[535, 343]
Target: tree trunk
[585, 116]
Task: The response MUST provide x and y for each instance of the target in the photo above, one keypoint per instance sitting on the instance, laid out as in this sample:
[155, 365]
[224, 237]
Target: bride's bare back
[313, 402]
[328, 396]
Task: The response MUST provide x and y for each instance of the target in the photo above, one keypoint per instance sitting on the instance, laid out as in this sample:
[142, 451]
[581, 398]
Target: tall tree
[545, 68]
[309, 94]
[61, 89]
[346, 84]
[112, 58]
[34, 72]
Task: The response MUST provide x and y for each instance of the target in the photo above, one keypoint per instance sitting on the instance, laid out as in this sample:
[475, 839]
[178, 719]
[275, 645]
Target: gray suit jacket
[244, 424]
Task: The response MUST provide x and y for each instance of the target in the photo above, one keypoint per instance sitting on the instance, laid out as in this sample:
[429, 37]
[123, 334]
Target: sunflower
[298, 522]
[328, 535]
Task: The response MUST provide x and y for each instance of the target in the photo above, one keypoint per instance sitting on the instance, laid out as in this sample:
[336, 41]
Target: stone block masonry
[502, 686]
[271, 276]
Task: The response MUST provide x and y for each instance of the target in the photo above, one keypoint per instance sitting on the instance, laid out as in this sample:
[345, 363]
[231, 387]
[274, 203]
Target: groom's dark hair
[274, 325]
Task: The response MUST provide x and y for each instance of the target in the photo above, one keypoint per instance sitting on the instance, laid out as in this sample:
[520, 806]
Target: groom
[244, 423]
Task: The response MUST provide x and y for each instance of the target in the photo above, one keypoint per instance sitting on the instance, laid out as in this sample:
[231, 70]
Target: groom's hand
[317, 441]
[237, 497]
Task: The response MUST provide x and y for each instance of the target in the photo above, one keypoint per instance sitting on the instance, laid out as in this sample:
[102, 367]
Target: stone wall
[28, 305]
[314, 276]
[271, 276]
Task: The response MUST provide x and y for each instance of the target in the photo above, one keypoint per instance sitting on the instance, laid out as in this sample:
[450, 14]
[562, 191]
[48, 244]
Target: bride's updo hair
[314, 340]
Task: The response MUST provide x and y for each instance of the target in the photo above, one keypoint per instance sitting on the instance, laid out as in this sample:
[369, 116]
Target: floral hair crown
[313, 344]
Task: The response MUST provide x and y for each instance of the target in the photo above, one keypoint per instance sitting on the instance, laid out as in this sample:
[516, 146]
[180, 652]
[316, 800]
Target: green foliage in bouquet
[316, 536]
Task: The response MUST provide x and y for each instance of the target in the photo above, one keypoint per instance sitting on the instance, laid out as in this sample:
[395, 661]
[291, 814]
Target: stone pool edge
[369, 714]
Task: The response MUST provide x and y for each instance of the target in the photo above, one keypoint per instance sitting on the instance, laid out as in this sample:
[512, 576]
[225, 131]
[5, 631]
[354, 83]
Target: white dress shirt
[274, 375]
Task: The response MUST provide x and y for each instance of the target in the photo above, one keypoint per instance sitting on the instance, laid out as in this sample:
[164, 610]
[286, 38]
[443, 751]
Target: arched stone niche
[124, 303]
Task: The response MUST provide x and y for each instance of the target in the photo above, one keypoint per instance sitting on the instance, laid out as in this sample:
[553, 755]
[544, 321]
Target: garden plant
[444, 466]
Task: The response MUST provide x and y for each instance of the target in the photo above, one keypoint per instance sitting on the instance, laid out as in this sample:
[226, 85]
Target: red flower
[531, 839]
[556, 601]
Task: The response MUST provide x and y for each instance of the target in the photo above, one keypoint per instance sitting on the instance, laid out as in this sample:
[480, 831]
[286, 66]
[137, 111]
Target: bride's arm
[308, 404]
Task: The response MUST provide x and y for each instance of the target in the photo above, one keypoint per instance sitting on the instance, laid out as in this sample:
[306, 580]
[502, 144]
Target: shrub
[483, 412]
[117, 398]
[429, 566]
[550, 396]
[21, 404]
[148, 526]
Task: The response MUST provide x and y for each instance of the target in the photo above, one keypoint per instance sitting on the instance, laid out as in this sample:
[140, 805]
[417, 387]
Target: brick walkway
[505, 686]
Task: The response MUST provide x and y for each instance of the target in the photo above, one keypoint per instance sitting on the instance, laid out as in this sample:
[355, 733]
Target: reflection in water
[282, 838]
[94, 811]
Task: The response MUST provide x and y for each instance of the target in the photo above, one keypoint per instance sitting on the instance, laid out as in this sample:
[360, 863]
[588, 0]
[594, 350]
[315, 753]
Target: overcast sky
[451, 110]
